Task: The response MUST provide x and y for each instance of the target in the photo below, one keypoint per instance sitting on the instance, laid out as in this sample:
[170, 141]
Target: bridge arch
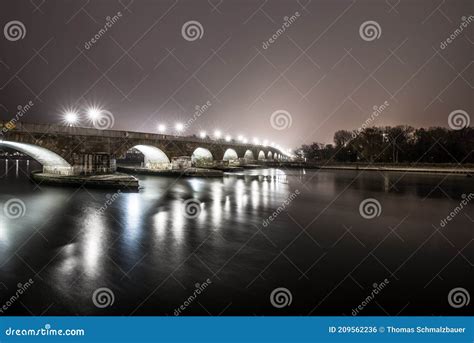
[230, 155]
[249, 155]
[261, 155]
[52, 163]
[155, 158]
[270, 155]
[201, 157]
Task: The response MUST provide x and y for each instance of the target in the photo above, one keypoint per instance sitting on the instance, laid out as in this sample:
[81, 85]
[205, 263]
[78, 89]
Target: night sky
[320, 70]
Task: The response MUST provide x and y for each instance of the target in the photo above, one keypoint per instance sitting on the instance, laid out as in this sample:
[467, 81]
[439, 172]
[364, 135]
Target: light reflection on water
[142, 237]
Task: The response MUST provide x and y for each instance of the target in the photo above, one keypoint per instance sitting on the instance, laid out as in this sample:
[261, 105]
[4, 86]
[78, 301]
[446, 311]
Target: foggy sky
[319, 70]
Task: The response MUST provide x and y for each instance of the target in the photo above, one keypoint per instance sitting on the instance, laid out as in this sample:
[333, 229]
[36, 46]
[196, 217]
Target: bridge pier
[96, 163]
[58, 170]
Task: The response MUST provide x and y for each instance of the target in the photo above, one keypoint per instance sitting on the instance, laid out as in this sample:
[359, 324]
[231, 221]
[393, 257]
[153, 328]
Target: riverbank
[109, 181]
[408, 169]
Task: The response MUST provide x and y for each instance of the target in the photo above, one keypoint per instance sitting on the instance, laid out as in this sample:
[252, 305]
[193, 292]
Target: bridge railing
[85, 131]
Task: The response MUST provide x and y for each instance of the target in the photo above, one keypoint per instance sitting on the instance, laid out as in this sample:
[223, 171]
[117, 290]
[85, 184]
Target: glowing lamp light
[255, 141]
[240, 138]
[228, 138]
[93, 113]
[161, 128]
[217, 134]
[179, 127]
[203, 134]
[71, 118]
[245, 141]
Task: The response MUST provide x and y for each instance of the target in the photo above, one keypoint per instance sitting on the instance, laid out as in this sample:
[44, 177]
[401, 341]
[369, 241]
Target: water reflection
[94, 247]
[140, 238]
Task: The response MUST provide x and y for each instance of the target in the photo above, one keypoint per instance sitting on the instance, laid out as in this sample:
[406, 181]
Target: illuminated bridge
[66, 150]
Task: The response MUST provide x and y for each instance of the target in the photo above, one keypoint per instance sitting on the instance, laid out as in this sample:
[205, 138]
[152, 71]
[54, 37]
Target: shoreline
[409, 169]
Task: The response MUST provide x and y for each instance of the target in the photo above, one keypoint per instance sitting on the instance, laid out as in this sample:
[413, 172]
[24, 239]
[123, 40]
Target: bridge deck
[85, 131]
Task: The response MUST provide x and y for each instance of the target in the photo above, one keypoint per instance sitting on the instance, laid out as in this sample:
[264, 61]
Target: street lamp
[202, 134]
[71, 118]
[93, 113]
[161, 128]
[179, 127]
[217, 134]
[228, 138]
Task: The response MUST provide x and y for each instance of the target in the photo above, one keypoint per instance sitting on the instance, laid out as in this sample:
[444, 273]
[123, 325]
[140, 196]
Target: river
[235, 243]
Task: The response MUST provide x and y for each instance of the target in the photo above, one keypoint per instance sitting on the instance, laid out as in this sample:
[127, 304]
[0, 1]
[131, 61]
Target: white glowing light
[265, 142]
[245, 141]
[71, 118]
[161, 128]
[240, 138]
[179, 127]
[228, 138]
[256, 141]
[217, 134]
[203, 134]
[93, 113]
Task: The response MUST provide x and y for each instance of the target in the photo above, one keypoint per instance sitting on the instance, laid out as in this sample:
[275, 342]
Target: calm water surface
[144, 248]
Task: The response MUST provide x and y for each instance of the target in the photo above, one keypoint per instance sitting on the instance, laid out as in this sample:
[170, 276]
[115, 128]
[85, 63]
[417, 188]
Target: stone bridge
[67, 150]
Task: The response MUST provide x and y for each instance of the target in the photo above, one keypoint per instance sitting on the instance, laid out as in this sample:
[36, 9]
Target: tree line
[399, 144]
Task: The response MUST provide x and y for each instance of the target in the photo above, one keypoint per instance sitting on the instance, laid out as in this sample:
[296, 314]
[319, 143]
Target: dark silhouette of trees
[399, 144]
